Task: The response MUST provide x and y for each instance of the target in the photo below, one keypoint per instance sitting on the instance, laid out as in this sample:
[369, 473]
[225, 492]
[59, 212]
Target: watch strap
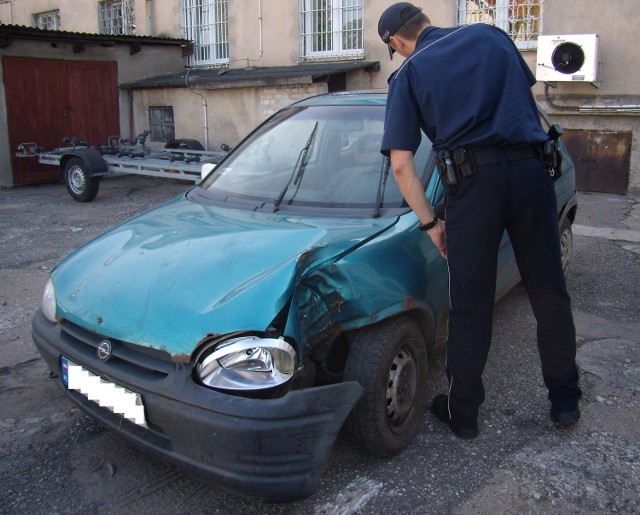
[429, 225]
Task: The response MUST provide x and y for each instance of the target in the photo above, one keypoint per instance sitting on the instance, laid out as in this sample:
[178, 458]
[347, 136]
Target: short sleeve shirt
[462, 86]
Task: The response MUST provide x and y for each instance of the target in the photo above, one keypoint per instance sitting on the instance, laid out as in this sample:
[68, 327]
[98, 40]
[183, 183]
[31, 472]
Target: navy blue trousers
[517, 196]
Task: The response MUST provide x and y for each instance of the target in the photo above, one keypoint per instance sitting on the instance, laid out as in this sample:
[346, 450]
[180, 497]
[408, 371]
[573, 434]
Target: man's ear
[395, 40]
[402, 45]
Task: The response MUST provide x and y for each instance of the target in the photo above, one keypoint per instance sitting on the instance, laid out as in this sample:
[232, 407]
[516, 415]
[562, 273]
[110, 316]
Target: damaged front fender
[371, 282]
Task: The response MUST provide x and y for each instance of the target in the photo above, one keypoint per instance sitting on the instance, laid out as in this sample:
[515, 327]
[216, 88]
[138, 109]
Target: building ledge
[252, 76]
[8, 33]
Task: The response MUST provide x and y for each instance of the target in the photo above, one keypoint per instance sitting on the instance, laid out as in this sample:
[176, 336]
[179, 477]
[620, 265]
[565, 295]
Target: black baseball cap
[394, 17]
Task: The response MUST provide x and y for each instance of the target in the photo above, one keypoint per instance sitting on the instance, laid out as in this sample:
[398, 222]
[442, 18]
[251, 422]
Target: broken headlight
[246, 363]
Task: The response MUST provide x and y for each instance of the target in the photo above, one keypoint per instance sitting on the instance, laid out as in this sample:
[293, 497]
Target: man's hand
[439, 238]
[404, 171]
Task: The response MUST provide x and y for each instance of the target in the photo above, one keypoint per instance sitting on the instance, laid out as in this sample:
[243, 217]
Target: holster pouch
[446, 166]
[552, 155]
[464, 162]
[455, 165]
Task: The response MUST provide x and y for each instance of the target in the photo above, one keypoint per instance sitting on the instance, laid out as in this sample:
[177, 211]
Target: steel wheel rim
[77, 179]
[402, 385]
[566, 247]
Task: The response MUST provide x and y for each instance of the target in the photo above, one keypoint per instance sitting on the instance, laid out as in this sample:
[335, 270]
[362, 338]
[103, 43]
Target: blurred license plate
[109, 395]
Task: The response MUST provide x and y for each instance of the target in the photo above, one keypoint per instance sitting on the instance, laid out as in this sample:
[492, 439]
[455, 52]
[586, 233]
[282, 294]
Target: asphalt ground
[55, 459]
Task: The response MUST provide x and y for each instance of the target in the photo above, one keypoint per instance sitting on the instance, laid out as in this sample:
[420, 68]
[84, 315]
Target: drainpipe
[150, 16]
[260, 44]
[131, 122]
[612, 108]
[204, 105]
[260, 28]
[621, 108]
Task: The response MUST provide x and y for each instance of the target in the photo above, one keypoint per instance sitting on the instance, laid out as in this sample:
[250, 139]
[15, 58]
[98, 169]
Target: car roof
[345, 98]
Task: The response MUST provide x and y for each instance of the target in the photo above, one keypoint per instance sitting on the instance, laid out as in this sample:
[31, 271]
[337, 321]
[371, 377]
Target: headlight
[49, 302]
[246, 363]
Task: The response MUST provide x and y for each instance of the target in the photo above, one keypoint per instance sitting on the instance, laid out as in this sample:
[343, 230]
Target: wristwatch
[429, 225]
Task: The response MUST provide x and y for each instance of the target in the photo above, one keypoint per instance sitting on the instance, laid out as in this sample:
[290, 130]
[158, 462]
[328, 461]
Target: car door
[508, 275]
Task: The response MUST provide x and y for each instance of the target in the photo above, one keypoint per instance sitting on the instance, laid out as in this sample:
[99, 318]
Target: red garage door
[49, 99]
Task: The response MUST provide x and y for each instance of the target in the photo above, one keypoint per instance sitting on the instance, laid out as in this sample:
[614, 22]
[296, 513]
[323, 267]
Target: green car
[235, 329]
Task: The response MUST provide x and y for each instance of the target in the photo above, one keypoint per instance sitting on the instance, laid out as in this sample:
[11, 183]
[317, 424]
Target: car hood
[181, 272]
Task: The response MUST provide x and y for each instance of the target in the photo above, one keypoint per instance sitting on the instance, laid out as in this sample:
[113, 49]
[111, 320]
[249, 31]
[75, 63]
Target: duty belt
[463, 162]
[489, 156]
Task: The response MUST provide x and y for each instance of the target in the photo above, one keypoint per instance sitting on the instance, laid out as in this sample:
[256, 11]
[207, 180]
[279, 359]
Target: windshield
[323, 156]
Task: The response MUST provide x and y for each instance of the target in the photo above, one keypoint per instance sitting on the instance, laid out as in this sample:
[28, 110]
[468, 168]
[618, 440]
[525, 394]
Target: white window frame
[49, 20]
[205, 23]
[116, 17]
[521, 19]
[324, 29]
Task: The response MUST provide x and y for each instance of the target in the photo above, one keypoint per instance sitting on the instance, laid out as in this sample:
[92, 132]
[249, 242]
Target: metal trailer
[82, 166]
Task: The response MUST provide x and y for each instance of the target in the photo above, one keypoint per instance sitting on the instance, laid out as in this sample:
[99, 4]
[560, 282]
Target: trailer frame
[82, 166]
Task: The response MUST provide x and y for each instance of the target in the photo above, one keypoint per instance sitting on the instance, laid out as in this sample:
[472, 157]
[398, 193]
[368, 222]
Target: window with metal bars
[521, 19]
[331, 29]
[205, 23]
[116, 17]
[49, 20]
[161, 124]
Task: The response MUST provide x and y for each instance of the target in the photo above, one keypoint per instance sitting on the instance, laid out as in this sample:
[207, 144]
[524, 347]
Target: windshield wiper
[298, 169]
[384, 174]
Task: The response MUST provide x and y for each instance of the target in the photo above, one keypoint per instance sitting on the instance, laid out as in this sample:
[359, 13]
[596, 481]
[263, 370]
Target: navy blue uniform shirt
[462, 86]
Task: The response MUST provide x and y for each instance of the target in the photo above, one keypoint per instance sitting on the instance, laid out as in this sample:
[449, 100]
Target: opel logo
[104, 350]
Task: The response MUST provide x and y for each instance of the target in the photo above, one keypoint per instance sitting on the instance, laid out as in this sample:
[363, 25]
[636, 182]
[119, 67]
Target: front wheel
[81, 185]
[566, 244]
[390, 361]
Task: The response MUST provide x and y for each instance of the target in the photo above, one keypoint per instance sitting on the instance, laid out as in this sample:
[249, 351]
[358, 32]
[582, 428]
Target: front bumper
[273, 449]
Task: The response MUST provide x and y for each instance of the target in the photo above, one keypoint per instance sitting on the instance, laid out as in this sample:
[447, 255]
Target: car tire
[389, 360]
[81, 185]
[566, 244]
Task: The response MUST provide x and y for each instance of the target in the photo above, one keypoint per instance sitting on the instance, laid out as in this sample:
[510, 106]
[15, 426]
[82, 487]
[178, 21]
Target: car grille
[142, 362]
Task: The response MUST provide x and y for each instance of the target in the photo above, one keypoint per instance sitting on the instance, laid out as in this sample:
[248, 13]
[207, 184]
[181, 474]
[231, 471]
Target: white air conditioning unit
[568, 59]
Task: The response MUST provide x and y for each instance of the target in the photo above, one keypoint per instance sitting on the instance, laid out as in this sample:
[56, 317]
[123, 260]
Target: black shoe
[440, 408]
[565, 418]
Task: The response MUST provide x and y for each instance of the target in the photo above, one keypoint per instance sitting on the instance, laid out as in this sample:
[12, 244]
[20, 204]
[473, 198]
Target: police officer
[469, 90]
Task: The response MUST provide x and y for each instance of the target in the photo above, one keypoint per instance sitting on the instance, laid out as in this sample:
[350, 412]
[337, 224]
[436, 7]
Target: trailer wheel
[81, 185]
